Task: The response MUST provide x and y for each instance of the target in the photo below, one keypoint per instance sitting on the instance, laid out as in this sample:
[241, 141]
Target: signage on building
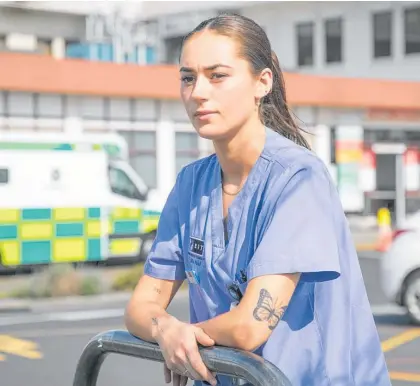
[349, 158]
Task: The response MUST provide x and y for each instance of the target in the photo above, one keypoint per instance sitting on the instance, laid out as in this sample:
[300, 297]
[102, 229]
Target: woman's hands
[178, 342]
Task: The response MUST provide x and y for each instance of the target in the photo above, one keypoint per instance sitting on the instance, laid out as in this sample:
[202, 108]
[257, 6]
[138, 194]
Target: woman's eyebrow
[209, 68]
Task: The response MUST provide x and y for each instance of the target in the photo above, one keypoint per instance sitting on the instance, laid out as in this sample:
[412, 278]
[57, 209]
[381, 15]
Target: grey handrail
[222, 360]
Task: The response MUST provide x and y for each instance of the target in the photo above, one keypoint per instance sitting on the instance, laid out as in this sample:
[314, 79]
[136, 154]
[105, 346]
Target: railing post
[222, 360]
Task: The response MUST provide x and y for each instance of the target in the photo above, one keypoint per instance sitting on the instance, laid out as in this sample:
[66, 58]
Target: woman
[258, 231]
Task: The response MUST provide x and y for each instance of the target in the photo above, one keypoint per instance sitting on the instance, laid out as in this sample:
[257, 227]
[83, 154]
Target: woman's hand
[179, 380]
[178, 342]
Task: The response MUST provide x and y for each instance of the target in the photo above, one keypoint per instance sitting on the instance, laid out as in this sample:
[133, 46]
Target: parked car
[400, 267]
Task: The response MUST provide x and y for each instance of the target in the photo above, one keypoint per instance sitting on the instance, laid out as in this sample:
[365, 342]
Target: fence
[222, 360]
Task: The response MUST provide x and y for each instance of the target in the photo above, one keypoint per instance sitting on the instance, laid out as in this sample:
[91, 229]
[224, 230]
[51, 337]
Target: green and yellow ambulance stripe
[45, 235]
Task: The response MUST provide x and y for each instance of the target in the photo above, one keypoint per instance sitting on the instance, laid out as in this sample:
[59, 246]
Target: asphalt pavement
[42, 347]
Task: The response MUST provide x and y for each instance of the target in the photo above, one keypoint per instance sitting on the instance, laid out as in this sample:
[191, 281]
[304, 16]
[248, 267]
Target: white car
[400, 267]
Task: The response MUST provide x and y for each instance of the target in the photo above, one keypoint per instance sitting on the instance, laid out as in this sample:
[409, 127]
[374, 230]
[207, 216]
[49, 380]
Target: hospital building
[352, 73]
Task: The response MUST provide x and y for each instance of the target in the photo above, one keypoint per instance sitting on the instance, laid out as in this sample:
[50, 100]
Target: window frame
[415, 8]
[341, 24]
[374, 15]
[134, 152]
[298, 36]
[193, 153]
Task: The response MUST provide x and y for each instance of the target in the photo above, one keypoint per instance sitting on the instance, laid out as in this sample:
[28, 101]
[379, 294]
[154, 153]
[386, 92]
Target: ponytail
[275, 112]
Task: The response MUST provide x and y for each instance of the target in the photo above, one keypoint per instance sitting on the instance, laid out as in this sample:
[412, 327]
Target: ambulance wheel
[412, 297]
[7, 269]
[147, 245]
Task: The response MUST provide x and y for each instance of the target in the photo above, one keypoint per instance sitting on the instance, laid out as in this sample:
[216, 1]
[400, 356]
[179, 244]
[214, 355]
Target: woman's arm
[146, 318]
[251, 323]
[148, 305]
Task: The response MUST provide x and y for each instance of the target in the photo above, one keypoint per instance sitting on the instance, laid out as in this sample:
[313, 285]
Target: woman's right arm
[146, 318]
[148, 304]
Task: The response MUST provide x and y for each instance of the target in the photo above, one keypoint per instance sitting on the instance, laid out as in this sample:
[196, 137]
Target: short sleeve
[300, 235]
[165, 260]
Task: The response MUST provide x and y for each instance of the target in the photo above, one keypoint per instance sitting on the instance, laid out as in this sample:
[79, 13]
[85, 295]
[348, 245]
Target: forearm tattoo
[157, 289]
[155, 323]
[267, 310]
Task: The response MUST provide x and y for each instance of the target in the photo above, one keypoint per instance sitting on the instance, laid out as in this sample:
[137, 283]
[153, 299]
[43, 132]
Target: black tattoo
[156, 289]
[155, 323]
[268, 311]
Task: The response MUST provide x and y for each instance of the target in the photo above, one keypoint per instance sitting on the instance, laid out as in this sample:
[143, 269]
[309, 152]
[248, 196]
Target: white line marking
[73, 316]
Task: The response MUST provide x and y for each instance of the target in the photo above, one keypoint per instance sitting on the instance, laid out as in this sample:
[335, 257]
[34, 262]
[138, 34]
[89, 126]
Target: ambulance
[72, 198]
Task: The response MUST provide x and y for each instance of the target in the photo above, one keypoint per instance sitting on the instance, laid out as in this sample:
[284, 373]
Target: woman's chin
[210, 131]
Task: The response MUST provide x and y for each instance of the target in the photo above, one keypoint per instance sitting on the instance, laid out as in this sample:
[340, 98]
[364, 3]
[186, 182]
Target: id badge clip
[192, 277]
[235, 292]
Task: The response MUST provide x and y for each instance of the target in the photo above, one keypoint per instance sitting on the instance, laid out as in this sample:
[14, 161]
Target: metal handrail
[222, 360]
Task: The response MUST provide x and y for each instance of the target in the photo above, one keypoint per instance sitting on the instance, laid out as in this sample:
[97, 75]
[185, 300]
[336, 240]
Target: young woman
[257, 229]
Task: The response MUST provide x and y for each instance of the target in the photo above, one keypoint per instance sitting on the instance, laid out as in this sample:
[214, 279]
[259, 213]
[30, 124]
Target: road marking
[388, 309]
[20, 347]
[70, 316]
[366, 247]
[69, 331]
[400, 339]
[109, 313]
[408, 377]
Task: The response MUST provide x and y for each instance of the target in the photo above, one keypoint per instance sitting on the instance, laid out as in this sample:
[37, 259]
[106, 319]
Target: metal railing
[221, 360]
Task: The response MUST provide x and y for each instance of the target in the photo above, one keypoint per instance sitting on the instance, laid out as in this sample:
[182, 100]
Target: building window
[412, 30]
[4, 176]
[333, 40]
[93, 107]
[3, 46]
[43, 46]
[20, 104]
[142, 154]
[333, 145]
[173, 49]
[50, 105]
[305, 42]
[186, 149]
[382, 34]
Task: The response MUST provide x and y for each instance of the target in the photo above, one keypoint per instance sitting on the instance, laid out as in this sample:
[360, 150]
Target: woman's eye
[217, 76]
[187, 79]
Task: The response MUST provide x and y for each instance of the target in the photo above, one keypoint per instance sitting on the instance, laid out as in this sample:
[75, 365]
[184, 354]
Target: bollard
[384, 229]
[222, 360]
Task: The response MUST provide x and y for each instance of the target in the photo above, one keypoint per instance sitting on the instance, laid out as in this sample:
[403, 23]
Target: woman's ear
[264, 84]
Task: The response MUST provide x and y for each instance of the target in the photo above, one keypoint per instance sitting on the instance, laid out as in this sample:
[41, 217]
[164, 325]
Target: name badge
[196, 247]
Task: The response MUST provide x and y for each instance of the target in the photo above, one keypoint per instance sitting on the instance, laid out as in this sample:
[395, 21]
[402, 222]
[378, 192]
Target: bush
[59, 280]
[90, 285]
[127, 281]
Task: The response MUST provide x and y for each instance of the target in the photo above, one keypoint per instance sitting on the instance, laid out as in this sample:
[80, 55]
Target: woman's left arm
[300, 238]
[250, 324]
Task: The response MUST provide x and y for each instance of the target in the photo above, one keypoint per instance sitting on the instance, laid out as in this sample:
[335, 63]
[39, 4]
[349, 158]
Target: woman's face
[217, 87]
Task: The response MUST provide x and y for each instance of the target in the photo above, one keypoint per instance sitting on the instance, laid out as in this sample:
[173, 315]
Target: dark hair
[256, 49]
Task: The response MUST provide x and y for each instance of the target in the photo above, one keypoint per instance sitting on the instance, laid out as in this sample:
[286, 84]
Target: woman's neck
[238, 155]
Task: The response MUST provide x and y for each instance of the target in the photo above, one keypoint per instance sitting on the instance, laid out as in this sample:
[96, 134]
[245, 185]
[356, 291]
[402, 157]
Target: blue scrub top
[287, 218]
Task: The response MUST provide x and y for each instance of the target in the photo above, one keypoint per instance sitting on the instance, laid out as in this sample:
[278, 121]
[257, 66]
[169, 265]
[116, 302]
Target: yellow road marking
[409, 377]
[400, 339]
[366, 247]
[20, 347]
